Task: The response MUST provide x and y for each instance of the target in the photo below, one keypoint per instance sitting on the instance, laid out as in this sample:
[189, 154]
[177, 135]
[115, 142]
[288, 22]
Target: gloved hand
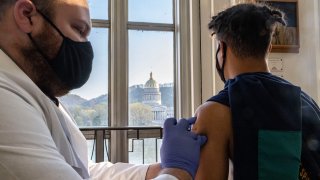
[181, 147]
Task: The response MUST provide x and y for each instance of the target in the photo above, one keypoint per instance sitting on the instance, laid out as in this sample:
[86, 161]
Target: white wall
[300, 68]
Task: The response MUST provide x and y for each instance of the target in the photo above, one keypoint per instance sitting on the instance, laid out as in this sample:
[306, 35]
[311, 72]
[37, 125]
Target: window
[136, 73]
[89, 104]
[151, 61]
[99, 9]
[151, 11]
[151, 71]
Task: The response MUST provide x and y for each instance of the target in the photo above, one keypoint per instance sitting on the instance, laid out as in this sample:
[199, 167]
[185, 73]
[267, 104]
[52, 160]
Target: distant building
[151, 92]
[137, 86]
[152, 97]
[166, 85]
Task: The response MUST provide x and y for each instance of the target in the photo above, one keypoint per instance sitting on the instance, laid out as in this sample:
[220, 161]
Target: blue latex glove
[181, 147]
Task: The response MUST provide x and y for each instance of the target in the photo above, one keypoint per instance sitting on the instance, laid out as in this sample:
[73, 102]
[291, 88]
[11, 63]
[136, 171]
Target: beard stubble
[36, 65]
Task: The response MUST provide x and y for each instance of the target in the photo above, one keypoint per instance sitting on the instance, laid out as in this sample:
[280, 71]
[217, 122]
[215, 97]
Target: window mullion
[150, 26]
[100, 23]
[119, 79]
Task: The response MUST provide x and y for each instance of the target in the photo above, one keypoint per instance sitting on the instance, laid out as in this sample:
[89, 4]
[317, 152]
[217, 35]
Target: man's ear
[23, 12]
[223, 47]
[270, 48]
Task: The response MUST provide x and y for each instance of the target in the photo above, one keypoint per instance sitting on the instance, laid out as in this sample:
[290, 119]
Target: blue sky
[148, 50]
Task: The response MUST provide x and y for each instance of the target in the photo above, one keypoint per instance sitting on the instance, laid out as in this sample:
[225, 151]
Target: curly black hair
[247, 28]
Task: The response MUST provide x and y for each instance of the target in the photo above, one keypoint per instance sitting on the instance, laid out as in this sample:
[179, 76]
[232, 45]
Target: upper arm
[214, 121]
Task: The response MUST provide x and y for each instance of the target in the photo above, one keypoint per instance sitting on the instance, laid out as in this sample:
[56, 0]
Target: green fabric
[279, 155]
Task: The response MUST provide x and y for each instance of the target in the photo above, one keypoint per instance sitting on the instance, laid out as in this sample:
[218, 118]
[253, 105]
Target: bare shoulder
[211, 116]
[214, 121]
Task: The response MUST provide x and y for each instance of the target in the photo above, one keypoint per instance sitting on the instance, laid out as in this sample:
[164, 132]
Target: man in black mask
[45, 54]
[268, 127]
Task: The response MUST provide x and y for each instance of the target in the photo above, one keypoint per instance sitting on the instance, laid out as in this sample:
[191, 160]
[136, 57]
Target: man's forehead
[73, 10]
[79, 8]
[81, 3]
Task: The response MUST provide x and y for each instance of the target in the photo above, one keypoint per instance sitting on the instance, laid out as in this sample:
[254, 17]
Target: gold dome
[151, 83]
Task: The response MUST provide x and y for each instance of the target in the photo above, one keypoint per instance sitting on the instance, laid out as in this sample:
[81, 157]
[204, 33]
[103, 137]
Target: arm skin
[153, 171]
[214, 121]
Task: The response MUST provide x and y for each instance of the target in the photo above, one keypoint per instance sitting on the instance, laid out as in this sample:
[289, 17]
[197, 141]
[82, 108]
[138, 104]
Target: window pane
[144, 151]
[99, 9]
[91, 146]
[150, 77]
[89, 104]
[156, 11]
[91, 150]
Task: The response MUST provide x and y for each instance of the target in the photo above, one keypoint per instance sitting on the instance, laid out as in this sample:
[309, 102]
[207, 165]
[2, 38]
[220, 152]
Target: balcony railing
[101, 136]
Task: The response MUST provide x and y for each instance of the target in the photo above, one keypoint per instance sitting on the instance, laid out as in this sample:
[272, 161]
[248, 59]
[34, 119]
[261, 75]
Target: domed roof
[151, 83]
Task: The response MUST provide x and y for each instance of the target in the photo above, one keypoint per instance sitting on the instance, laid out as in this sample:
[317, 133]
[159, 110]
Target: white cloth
[166, 177]
[38, 140]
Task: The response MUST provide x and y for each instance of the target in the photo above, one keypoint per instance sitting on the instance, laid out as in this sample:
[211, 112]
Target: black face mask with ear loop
[220, 70]
[73, 63]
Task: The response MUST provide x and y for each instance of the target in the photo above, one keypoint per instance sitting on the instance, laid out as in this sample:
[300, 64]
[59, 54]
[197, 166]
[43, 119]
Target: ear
[270, 48]
[23, 12]
[223, 47]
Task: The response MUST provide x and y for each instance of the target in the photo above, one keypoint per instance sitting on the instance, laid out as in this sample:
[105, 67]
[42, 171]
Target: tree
[76, 114]
[96, 121]
[101, 118]
[140, 114]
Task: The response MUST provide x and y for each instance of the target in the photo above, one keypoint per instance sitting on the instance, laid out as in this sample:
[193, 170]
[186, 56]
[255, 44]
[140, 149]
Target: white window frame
[207, 8]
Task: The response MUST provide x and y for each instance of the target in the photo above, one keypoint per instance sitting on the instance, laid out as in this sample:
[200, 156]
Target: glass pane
[106, 150]
[156, 11]
[144, 151]
[150, 77]
[91, 150]
[89, 104]
[91, 146]
[99, 9]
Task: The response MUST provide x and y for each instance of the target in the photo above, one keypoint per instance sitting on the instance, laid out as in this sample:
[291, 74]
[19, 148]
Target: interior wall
[302, 68]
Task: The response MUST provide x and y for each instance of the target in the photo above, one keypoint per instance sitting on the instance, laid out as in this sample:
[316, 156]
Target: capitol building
[152, 97]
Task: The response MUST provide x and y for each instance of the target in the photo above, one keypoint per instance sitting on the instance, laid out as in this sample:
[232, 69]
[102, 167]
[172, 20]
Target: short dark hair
[247, 28]
[45, 6]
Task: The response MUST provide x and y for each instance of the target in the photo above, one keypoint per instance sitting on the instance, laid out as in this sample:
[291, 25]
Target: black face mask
[221, 69]
[73, 63]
